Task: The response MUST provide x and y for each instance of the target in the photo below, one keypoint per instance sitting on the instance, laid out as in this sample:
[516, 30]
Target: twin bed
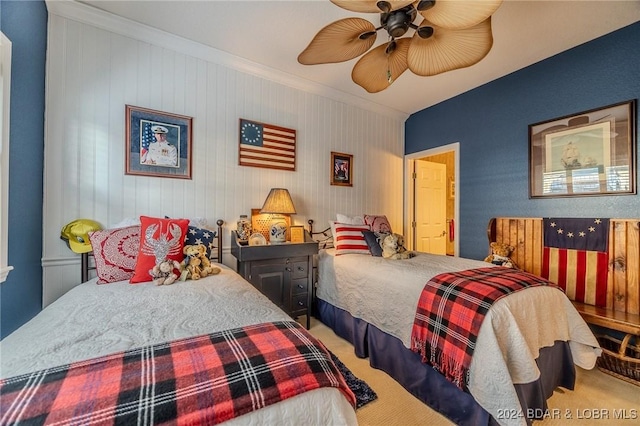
[94, 322]
[527, 346]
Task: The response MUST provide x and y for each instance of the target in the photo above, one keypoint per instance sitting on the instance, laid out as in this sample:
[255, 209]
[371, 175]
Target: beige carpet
[599, 399]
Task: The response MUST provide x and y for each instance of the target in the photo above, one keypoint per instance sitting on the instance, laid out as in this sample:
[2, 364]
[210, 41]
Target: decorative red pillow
[378, 223]
[350, 239]
[115, 252]
[160, 239]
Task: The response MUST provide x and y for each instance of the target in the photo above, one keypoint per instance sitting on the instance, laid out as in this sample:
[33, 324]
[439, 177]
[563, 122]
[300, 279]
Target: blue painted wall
[25, 24]
[491, 123]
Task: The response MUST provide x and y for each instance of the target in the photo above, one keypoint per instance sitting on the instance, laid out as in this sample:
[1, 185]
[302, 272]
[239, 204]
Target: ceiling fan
[451, 34]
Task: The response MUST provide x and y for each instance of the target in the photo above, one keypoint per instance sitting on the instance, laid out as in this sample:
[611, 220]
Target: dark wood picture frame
[341, 169]
[157, 143]
[585, 154]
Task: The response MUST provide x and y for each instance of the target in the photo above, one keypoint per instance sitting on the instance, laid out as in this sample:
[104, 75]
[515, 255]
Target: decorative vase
[278, 232]
[243, 228]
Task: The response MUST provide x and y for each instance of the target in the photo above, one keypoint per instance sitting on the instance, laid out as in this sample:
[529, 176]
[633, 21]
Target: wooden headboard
[623, 289]
[88, 265]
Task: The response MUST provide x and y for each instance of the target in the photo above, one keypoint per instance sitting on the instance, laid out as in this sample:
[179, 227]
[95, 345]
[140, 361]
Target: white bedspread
[93, 320]
[385, 293]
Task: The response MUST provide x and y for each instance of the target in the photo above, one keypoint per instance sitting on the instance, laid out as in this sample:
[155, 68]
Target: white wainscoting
[93, 72]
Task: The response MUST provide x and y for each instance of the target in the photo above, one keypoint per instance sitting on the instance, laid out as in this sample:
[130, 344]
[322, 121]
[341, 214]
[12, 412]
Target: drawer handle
[300, 286]
[288, 269]
[300, 268]
[301, 303]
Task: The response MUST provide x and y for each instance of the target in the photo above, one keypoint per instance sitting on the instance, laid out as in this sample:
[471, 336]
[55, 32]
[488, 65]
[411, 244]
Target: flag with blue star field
[576, 257]
[146, 138]
[265, 145]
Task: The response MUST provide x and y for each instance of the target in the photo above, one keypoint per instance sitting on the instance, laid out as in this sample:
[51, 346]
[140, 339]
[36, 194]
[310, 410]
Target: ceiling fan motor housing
[397, 22]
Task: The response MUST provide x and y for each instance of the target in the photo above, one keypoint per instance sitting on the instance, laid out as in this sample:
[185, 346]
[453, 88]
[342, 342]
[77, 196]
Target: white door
[430, 207]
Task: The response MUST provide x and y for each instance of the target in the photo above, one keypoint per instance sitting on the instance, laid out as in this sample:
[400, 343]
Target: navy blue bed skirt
[387, 353]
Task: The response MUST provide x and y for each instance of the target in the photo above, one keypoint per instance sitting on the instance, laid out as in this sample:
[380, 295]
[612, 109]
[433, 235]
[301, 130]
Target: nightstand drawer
[299, 302]
[299, 286]
[300, 269]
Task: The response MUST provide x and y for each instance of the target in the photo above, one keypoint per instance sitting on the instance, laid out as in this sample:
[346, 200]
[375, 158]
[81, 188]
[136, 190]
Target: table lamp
[278, 202]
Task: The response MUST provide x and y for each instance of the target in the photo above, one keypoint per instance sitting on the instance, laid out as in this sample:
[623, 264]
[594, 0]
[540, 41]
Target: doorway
[449, 156]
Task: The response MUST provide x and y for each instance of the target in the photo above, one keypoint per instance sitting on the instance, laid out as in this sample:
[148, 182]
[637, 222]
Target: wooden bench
[622, 310]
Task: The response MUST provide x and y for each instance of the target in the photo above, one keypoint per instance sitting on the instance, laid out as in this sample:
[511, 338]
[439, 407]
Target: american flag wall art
[268, 146]
[576, 257]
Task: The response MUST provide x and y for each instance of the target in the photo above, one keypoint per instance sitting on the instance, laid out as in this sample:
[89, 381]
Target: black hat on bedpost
[76, 234]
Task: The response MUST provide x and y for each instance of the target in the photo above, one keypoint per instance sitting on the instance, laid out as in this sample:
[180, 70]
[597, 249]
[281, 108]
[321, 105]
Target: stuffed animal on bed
[393, 247]
[500, 255]
[163, 273]
[196, 263]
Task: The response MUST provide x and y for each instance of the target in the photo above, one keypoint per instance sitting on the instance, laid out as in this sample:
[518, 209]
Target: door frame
[409, 216]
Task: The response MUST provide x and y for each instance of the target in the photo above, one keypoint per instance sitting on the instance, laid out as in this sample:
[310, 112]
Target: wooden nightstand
[282, 272]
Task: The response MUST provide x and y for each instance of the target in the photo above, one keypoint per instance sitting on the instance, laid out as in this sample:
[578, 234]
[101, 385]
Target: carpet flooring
[598, 398]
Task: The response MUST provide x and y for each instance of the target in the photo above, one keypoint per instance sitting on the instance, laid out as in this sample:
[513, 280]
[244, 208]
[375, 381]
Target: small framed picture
[297, 234]
[157, 143]
[341, 169]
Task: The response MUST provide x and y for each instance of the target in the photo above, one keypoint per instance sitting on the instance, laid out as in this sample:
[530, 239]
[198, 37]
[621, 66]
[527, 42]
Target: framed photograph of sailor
[157, 143]
[589, 153]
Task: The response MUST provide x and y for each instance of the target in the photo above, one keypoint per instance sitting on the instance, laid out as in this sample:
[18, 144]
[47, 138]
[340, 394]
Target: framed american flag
[266, 145]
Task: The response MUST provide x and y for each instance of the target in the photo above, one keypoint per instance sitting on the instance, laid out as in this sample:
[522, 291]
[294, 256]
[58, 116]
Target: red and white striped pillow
[350, 239]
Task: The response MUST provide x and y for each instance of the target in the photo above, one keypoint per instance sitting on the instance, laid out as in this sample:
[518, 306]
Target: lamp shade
[278, 201]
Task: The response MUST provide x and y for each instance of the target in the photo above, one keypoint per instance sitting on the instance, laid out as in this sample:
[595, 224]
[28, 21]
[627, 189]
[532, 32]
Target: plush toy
[500, 255]
[196, 263]
[393, 247]
[163, 272]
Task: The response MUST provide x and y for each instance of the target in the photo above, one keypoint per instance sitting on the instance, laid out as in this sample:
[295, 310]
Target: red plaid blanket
[450, 312]
[200, 380]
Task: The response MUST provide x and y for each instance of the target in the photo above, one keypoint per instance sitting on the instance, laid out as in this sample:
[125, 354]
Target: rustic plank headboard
[623, 284]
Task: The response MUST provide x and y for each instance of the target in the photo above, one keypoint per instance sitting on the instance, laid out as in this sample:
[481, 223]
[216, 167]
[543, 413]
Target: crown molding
[98, 18]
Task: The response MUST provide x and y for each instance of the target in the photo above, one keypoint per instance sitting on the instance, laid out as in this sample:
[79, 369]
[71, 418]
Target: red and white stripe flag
[264, 145]
[576, 258]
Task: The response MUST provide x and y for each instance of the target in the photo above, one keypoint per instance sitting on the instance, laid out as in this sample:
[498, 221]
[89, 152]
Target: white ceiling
[273, 33]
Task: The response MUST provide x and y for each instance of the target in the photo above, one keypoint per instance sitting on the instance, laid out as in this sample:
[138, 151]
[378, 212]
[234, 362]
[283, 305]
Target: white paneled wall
[94, 71]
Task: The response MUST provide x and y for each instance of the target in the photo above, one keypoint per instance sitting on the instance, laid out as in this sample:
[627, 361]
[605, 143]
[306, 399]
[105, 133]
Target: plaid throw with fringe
[200, 380]
[450, 312]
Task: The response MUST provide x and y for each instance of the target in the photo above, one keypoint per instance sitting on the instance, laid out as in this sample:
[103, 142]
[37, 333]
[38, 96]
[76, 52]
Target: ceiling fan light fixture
[366, 35]
[425, 5]
[453, 34]
[384, 6]
[370, 6]
[425, 32]
[397, 23]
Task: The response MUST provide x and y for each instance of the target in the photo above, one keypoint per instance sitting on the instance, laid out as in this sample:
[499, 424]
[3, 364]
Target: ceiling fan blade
[460, 13]
[370, 6]
[449, 49]
[339, 42]
[376, 70]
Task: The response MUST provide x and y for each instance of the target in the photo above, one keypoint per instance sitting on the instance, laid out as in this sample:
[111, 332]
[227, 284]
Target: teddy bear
[163, 272]
[393, 247]
[500, 255]
[196, 263]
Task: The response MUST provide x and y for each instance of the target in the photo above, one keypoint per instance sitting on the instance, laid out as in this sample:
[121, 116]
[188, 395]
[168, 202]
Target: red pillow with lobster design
[160, 239]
